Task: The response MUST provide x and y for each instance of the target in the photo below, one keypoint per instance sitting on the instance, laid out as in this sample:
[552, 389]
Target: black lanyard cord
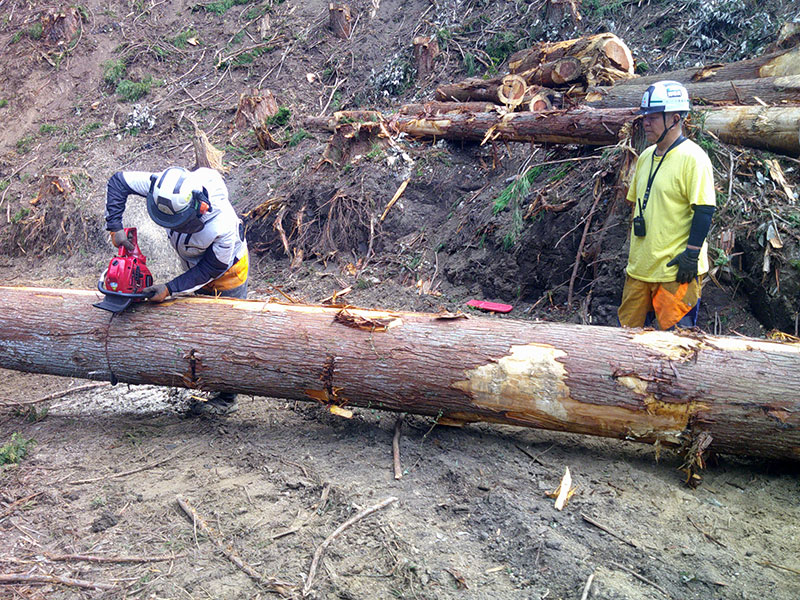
[651, 177]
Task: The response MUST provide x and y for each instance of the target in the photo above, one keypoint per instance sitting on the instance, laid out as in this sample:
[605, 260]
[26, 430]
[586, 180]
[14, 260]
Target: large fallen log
[674, 389]
[777, 64]
[767, 128]
[772, 90]
[580, 126]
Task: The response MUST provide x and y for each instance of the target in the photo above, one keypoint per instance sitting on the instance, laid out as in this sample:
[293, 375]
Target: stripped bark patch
[531, 372]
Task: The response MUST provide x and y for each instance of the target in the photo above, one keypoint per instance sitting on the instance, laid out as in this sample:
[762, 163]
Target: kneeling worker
[202, 228]
[673, 199]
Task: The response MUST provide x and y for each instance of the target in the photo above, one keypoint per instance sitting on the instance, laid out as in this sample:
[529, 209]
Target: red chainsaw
[127, 275]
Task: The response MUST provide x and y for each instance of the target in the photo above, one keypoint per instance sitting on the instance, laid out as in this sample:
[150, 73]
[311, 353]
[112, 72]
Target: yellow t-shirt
[685, 179]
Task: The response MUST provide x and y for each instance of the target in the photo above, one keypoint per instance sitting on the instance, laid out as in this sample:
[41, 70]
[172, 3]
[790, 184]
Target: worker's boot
[220, 404]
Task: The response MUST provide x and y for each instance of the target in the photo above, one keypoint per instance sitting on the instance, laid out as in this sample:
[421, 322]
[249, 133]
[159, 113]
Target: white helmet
[665, 96]
[175, 197]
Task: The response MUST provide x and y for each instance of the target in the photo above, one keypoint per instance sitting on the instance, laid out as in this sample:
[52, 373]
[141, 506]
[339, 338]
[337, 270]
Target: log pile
[584, 91]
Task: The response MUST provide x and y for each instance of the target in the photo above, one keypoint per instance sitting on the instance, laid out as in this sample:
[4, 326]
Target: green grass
[89, 127]
[3, 103]
[20, 214]
[130, 91]
[14, 450]
[114, 71]
[67, 146]
[49, 128]
[280, 118]
[182, 39]
[220, 7]
[297, 137]
[24, 144]
[500, 46]
[516, 189]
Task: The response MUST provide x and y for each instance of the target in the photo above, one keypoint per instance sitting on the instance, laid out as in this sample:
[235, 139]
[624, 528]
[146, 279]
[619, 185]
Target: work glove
[118, 238]
[160, 292]
[687, 265]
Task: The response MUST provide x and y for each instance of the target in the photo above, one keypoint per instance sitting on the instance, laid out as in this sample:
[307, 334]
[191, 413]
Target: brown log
[426, 49]
[777, 64]
[768, 128]
[581, 126]
[339, 20]
[772, 90]
[555, 73]
[603, 56]
[647, 386]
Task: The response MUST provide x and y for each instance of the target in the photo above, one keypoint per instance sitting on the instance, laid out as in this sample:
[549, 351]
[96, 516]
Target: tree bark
[604, 57]
[339, 20]
[426, 50]
[768, 128]
[772, 90]
[581, 126]
[647, 386]
[777, 64]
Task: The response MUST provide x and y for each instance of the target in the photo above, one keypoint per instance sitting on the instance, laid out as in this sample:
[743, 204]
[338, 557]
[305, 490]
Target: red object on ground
[492, 306]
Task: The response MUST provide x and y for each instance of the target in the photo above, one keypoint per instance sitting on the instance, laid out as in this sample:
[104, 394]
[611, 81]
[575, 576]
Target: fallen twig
[640, 578]
[394, 199]
[10, 578]
[706, 534]
[767, 563]
[273, 585]
[13, 506]
[125, 473]
[610, 532]
[398, 426]
[587, 587]
[55, 395]
[110, 559]
[321, 548]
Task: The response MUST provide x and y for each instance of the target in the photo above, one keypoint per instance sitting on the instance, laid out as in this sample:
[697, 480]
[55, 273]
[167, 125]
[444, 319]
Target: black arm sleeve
[701, 223]
[208, 269]
[117, 192]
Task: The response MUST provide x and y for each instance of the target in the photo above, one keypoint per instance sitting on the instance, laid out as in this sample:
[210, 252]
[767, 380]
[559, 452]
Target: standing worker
[673, 199]
[203, 229]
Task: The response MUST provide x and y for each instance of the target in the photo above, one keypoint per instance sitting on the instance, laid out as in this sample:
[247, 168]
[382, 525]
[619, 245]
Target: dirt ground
[471, 517]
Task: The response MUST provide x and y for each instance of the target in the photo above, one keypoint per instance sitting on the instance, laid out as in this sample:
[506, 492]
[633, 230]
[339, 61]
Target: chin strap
[666, 129]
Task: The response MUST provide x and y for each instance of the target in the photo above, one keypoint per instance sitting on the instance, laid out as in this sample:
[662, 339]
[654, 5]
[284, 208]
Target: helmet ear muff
[201, 203]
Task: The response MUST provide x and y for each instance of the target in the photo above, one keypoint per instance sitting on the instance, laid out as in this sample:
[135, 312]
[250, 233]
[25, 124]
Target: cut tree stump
[641, 385]
[426, 49]
[340, 20]
[772, 90]
[59, 28]
[777, 64]
[254, 110]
